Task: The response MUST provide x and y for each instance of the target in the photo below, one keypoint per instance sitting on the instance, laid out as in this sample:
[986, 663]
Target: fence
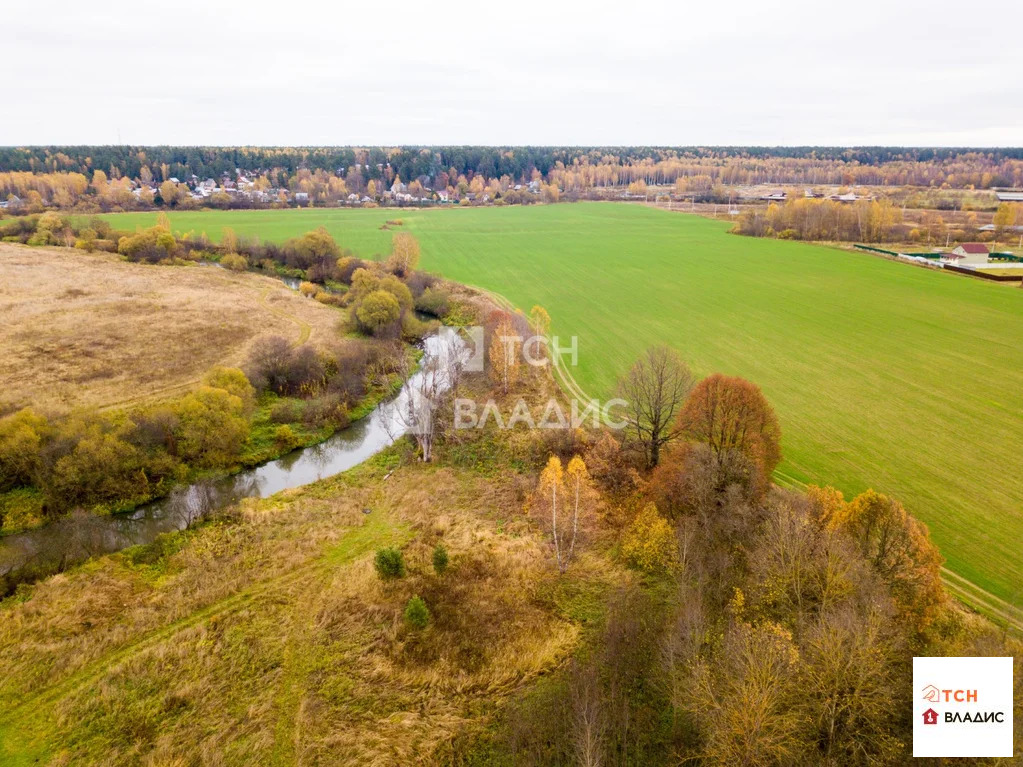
[984, 276]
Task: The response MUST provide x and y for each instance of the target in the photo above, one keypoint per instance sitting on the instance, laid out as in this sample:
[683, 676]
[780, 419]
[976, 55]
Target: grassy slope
[269, 639]
[883, 374]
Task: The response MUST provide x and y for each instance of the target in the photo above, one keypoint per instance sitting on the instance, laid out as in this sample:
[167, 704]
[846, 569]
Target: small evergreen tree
[417, 615]
[440, 559]
[389, 564]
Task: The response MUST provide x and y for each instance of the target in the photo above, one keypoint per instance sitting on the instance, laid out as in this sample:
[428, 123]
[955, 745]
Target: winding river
[74, 539]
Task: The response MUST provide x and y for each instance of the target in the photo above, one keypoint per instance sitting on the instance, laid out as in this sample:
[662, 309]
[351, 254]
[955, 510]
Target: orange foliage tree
[732, 414]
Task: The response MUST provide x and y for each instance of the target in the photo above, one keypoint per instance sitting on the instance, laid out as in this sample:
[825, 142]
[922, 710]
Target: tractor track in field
[305, 331]
[360, 540]
[93, 670]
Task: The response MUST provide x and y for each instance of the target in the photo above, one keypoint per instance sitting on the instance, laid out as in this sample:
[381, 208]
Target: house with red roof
[968, 254]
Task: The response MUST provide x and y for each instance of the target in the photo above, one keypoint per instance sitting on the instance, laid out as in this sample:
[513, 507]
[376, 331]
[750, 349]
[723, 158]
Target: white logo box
[975, 693]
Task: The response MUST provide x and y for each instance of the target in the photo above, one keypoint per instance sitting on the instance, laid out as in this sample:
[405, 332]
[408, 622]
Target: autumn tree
[539, 321]
[731, 414]
[649, 541]
[564, 498]
[169, 192]
[404, 254]
[1005, 216]
[212, 427]
[540, 326]
[378, 311]
[654, 389]
[504, 353]
[229, 240]
[577, 481]
[899, 549]
[551, 492]
[743, 702]
[21, 437]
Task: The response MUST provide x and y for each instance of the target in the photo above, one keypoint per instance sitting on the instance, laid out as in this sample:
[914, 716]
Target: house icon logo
[931, 694]
[930, 716]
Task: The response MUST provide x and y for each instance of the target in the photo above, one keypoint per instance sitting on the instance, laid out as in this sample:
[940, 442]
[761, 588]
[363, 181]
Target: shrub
[649, 542]
[440, 559]
[235, 262]
[346, 267]
[330, 299]
[308, 289]
[327, 410]
[274, 365]
[378, 311]
[212, 427]
[389, 564]
[21, 437]
[310, 248]
[417, 615]
[233, 381]
[433, 301]
[152, 245]
[285, 438]
[286, 411]
[413, 328]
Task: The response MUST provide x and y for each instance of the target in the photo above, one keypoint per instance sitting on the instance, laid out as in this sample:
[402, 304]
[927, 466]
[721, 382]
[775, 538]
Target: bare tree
[415, 409]
[655, 389]
[588, 718]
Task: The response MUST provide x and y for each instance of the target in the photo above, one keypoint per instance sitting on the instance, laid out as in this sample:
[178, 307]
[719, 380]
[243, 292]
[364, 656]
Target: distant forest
[141, 177]
[518, 163]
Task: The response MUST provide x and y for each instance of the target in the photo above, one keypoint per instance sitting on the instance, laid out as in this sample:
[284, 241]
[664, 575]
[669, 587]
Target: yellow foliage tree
[649, 541]
[504, 354]
[404, 253]
[900, 550]
[551, 492]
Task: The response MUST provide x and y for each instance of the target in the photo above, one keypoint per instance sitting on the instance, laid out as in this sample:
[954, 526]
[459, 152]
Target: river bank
[32, 554]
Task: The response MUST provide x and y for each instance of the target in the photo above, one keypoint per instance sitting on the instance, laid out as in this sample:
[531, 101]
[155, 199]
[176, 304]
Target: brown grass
[271, 640]
[89, 329]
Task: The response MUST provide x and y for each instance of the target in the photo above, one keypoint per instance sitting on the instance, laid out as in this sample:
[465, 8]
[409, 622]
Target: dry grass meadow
[269, 639]
[80, 329]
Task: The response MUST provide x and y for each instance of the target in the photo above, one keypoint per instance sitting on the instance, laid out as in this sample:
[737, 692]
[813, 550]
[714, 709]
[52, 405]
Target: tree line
[869, 221]
[62, 176]
[760, 625]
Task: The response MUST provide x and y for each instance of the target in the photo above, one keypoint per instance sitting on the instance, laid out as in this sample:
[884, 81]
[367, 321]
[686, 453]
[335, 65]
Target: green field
[883, 374]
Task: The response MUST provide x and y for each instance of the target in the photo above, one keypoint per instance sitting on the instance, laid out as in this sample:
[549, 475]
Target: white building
[968, 254]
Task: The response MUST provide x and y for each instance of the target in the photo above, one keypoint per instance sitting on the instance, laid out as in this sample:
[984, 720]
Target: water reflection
[78, 537]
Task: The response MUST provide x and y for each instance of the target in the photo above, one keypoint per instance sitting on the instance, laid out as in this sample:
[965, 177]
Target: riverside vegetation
[852, 350]
[527, 597]
[56, 457]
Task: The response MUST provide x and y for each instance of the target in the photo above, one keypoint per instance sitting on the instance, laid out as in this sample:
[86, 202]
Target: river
[75, 538]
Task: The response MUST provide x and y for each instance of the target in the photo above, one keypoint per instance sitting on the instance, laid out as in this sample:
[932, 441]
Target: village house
[968, 254]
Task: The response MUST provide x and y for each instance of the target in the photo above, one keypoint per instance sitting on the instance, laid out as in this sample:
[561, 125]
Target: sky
[731, 72]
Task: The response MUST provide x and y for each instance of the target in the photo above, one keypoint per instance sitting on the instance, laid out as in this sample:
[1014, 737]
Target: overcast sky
[366, 73]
